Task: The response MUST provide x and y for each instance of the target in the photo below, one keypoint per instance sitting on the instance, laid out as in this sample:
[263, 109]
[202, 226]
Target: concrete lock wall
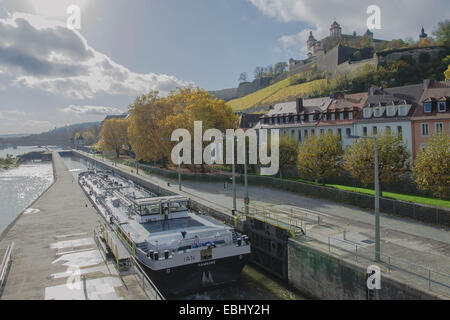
[321, 275]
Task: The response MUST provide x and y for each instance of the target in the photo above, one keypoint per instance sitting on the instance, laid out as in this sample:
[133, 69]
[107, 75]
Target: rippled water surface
[19, 187]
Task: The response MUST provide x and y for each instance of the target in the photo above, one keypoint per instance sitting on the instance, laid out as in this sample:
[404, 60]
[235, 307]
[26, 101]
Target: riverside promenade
[55, 256]
[412, 252]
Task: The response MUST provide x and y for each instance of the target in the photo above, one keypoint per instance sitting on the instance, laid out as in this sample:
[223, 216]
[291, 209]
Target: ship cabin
[161, 208]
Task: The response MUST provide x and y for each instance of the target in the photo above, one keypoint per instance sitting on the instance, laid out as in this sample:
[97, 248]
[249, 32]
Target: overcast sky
[51, 76]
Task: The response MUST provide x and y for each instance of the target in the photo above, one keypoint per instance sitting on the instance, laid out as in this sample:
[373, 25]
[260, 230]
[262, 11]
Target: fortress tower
[335, 31]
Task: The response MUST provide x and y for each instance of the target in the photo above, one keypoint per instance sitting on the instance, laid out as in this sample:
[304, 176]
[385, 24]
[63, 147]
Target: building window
[324, 117]
[391, 111]
[400, 131]
[339, 132]
[365, 131]
[403, 111]
[306, 134]
[377, 112]
[286, 120]
[330, 131]
[341, 116]
[302, 118]
[367, 112]
[299, 135]
[313, 132]
[333, 116]
[350, 116]
[442, 106]
[439, 127]
[311, 118]
[425, 130]
[427, 107]
[348, 132]
[388, 130]
[322, 132]
[374, 131]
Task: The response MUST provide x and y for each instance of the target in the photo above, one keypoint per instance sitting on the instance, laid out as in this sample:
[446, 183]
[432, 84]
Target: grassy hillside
[284, 90]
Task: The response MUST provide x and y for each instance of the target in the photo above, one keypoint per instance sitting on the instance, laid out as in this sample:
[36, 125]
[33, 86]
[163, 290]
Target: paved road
[57, 236]
[410, 245]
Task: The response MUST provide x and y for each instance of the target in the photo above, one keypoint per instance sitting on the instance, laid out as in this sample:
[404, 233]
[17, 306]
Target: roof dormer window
[350, 115]
[402, 111]
[377, 112]
[390, 111]
[324, 117]
[427, 107]
[341, 116]
[333, 116]
[442, 106]
[367, 112]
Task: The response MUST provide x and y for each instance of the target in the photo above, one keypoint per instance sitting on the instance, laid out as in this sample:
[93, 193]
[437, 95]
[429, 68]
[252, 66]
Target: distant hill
[284, 90]
[58, 136]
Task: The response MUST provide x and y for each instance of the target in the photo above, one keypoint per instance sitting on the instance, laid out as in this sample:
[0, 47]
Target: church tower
[423, 35]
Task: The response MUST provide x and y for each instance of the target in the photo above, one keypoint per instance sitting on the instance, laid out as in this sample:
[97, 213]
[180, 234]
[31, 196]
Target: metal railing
[424, 277]
[4, 267]
[150, 289]
[276, 218]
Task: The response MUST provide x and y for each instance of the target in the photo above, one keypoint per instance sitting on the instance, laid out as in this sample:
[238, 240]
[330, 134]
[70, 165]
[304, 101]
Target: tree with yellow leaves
[432, 166]
[113, 135]
[320, 157]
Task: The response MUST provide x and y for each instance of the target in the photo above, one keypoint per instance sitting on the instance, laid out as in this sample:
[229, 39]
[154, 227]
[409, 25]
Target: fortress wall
[346, 67]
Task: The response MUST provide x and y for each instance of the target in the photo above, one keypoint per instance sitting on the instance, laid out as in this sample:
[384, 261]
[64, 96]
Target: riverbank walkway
[411, 251]
[55, 255]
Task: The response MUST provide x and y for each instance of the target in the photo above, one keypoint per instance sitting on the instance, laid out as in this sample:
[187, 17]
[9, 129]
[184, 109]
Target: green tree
[288, 153]
[320, 157]
[393, 159]
[442, 33]
[432, 166]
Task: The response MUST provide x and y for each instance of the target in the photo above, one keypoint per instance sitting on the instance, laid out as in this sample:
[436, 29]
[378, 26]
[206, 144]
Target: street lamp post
[137, 159]
[179, 164]
[377, 196]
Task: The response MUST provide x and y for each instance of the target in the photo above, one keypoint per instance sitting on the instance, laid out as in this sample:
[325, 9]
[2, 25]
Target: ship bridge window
[150, 209]
[178, 206]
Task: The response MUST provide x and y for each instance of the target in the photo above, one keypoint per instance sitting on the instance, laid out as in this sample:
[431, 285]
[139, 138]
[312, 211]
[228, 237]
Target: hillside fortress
[342, 53]
[336, 37]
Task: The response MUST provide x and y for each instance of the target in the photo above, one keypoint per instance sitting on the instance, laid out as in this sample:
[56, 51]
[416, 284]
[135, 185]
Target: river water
[253, 284]
[19, 187]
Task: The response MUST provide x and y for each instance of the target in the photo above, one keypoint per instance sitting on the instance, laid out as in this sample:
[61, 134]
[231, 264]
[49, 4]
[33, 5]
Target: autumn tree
[199, 105]
[442, 33]
[148, 126]
[288, 150]
[432, 166]
[113, 135]
[393, 159]
[320, 157]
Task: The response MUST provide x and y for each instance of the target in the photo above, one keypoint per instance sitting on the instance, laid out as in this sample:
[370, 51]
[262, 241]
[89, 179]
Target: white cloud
[17, 113]
[1, 116]
[45, 54]
[399, 19]
[92, 110]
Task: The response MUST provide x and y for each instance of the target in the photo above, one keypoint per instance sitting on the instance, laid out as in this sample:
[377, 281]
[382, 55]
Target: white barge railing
[4, 267]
